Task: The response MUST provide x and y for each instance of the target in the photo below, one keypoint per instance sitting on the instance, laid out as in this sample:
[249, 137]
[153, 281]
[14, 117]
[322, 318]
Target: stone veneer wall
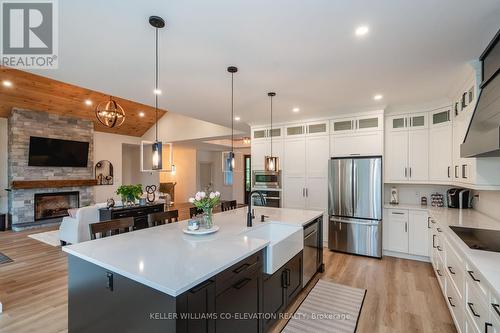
[26, 123]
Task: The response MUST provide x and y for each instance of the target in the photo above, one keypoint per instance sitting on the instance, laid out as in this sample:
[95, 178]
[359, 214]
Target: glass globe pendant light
[271, 162]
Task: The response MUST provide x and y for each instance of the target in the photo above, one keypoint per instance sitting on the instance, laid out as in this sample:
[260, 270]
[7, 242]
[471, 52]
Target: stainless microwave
[266, 179]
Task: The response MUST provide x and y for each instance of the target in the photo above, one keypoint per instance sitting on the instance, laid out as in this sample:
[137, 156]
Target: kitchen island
[160, 279]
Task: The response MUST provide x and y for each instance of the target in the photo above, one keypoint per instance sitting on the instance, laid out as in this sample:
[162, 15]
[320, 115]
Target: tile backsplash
[411, 194]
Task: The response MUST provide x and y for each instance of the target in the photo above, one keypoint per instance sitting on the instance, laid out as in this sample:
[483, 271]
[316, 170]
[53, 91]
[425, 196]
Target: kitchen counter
[166, 259]
[485, 262]
[406, 206]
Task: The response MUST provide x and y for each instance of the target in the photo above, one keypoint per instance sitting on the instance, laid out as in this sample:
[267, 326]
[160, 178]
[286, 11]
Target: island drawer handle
[450, 268]
[471, 307]
[496, 307]
[288, 278]
[241, 268]
[200, 286]
[109, 283]
[242, 283]
[471, 273]
[449, 301]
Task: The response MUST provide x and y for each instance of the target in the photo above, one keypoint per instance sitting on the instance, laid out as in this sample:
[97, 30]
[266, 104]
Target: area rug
[4, 259]
[49, 237]
[329, 307]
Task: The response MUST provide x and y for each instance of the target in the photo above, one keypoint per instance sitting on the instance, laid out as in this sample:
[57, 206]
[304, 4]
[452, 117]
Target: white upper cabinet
[418, 155]
[264, 133]
[317, 149]
[362, 123]
[295, 157]
[396, 156]
[295, 130]
[441, 145]
[418, 121]
[262, 148]
[407, 122]
[343, 125]
[317, 128]
[370, 123]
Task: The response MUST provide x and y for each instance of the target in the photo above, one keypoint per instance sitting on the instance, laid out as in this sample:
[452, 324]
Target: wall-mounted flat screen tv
[58, 153]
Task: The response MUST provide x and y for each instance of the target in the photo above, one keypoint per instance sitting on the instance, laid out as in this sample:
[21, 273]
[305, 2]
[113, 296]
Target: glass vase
[208, 218]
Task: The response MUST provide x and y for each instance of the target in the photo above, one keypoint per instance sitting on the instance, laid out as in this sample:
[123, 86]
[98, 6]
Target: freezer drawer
[363, 237]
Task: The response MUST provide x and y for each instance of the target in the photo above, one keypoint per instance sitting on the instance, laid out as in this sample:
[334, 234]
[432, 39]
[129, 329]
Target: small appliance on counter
[394, 196]
[458, 198]
[437, 200]
[423, 201]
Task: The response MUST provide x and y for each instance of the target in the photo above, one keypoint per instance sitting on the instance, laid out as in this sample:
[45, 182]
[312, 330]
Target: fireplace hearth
[55, 204]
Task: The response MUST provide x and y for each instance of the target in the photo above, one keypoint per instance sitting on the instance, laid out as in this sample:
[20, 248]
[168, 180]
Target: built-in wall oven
[266, 179]
[269, 184]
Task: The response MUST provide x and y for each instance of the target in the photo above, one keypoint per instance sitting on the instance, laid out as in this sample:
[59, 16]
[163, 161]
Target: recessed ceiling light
[237, 118]
[295, 109]
[7, 83]
[141, 114]
[157, 91]
[378, 97]
[88, 102]
[362, 30]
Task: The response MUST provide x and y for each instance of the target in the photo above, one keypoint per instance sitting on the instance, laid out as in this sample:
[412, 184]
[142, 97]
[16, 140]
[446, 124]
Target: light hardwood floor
[403, 295]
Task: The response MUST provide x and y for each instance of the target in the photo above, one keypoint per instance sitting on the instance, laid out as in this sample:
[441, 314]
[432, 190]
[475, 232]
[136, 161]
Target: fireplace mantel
[29, 184]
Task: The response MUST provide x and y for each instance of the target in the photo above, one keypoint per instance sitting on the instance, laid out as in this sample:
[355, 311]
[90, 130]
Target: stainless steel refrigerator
[355, 205]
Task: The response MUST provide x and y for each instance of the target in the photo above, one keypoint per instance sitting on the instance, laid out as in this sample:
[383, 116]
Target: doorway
[247, 176]
[206, 180]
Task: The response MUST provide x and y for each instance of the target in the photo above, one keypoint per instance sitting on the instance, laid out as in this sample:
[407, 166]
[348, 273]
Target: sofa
[75, 230]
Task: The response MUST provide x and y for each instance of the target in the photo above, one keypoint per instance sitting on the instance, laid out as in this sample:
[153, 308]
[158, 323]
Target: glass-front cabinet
[408, 121]
[440, 117]
[263, 133]
[343, 125]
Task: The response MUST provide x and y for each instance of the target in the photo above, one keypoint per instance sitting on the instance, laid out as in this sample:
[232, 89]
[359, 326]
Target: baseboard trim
[406, 256]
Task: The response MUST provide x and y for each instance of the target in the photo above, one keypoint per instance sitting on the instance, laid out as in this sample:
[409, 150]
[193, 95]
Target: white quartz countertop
[486, 262]
[166, 259]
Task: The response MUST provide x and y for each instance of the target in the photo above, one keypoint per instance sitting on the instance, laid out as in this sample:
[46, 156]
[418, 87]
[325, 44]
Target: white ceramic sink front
[286, 242]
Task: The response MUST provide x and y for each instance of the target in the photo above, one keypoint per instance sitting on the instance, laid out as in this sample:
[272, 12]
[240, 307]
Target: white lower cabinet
[469, 299]
[294, 196]
[406, 232]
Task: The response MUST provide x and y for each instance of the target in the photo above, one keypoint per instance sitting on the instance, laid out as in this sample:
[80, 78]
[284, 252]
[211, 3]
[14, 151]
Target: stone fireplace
[22, 202]
[55, 205]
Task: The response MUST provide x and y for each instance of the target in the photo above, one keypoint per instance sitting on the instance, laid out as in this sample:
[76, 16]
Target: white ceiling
[305, 50]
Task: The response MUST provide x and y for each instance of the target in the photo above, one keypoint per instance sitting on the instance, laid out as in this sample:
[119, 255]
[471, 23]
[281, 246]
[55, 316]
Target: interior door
[340, 187]
[367, 188]
[418, 155]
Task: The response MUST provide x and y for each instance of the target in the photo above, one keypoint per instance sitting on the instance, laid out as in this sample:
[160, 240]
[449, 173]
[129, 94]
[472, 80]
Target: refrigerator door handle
[355, 221]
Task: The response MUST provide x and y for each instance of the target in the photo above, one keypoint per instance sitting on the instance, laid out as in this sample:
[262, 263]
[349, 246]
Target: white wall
[109, 147]
[488, 203]
[411, 194]
[3, 165]
[185, 175]
[131, 168]
[175, 127]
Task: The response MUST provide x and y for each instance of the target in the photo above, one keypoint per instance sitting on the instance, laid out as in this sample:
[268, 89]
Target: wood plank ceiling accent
[38, 93]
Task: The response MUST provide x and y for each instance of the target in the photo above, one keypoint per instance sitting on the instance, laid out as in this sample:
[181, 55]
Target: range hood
[483, 135]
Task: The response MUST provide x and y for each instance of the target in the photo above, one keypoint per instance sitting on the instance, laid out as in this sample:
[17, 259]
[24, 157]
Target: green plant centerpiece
[206, 202]
[129, 193]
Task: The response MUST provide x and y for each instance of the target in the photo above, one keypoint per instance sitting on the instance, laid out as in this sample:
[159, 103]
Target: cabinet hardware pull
[397, 213]
[471, 273]
[449, 171]
[241, 268]
[464, 168]
[406, 226]
[307, 192]
[432, 221]
[496, 307]
[428, 224]
[242, 283]
[456, 171]
[449, 301]
[439, 272]
[109, 284]
[486, 325]
[303, 192]
[283, 278]
[410, 172]
[439, 248]
[288, 277]
[439, 229]
[200, 286]
[471, 307]
[434, 241]
[450, 268]
[406, 173]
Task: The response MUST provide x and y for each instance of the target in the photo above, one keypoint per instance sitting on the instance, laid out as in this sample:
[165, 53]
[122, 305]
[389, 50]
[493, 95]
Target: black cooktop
[479, 239]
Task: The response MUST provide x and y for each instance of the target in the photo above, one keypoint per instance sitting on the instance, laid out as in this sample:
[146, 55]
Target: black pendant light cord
[156, 84]
[232, 114]
[271, 125]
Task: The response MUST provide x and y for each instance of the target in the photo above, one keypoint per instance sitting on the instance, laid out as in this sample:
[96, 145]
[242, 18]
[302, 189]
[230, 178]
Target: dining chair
[111, 227]
[228, 205]
[193, 211]
[156, 219]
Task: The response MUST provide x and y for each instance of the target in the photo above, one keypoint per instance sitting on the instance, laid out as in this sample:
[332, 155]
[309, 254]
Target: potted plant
[129, 193]
[206, 203]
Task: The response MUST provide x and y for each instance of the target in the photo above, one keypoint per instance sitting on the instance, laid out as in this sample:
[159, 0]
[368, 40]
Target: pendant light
[110, 113]
[271, 162]
[230, 156]
[157, 23]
